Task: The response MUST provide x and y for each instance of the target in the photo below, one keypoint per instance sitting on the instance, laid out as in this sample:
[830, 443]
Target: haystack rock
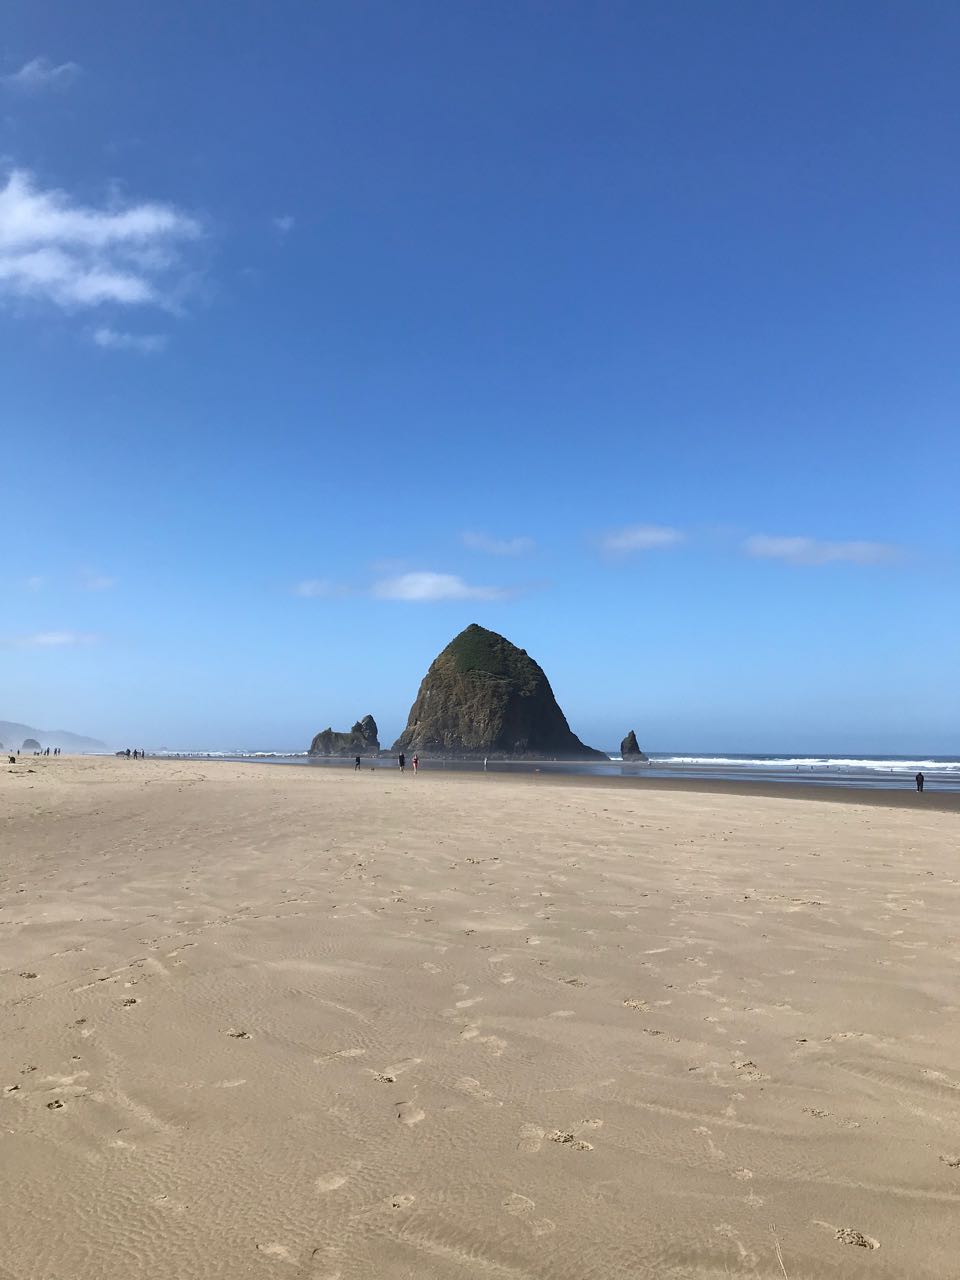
[485, 697]
[630, 748]
[30, 744]
[362, 740]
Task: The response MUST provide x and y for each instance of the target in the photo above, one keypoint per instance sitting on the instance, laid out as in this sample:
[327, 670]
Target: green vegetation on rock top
[477, 649]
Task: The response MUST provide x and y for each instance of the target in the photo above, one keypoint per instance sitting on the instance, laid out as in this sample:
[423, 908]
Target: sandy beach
[284, 1022]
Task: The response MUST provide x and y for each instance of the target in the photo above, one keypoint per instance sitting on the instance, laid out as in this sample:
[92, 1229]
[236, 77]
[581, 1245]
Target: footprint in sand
[474, 1089]
[635, 1004]
[340, 1053]
[390, 1075]
[401, 1202]
[55, 1105]
[530, 1139]
[330, 1182]
[567, 1137]
[952, 1162]
[276, 1251]
[130, 1000]
[518, 1205]
[849, 1235]
[240, 1035]
[522, 1207]
[409, 1113]
[747, 1070]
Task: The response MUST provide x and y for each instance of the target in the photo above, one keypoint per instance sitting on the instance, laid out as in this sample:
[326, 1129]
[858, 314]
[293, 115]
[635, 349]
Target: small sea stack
[362, 740]
[630, 749]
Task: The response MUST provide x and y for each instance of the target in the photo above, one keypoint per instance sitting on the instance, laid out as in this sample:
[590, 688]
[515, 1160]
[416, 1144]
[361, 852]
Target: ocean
[942, 773]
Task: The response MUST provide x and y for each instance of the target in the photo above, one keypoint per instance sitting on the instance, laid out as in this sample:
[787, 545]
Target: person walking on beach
[920, 781]
[356, 763]
[402, 761]
[416, 764]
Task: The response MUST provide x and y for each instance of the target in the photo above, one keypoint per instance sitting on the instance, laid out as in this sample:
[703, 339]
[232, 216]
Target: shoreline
[837, 793]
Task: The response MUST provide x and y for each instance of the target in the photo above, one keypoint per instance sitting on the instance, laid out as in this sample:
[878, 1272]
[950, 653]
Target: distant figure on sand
[356, 763]
[920, 781]
[402, 761]
[416, 763]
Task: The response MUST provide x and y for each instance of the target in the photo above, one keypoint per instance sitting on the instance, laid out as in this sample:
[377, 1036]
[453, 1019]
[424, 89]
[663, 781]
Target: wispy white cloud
[313, 588]
[640, 537]
[497, 546]
[90, 581]
[54, 639]
[40, 74]
[802, 550]
[34, 583]
[285, 223]
[54, 249]
[145, 343]
[431, 587]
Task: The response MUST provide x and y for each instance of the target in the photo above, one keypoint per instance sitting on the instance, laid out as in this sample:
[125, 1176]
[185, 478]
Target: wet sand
[292, 1022]
[904, 796]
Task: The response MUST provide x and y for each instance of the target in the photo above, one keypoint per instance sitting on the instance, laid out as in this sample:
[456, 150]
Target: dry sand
[283, 1022]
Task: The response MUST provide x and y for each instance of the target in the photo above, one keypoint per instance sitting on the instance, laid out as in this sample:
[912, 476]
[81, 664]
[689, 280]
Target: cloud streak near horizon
[812, 551]
[640, 537]
[53, 640]
[497, 546]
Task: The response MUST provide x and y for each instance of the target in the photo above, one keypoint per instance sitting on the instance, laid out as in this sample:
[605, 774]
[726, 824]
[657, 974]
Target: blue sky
[627, 330]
